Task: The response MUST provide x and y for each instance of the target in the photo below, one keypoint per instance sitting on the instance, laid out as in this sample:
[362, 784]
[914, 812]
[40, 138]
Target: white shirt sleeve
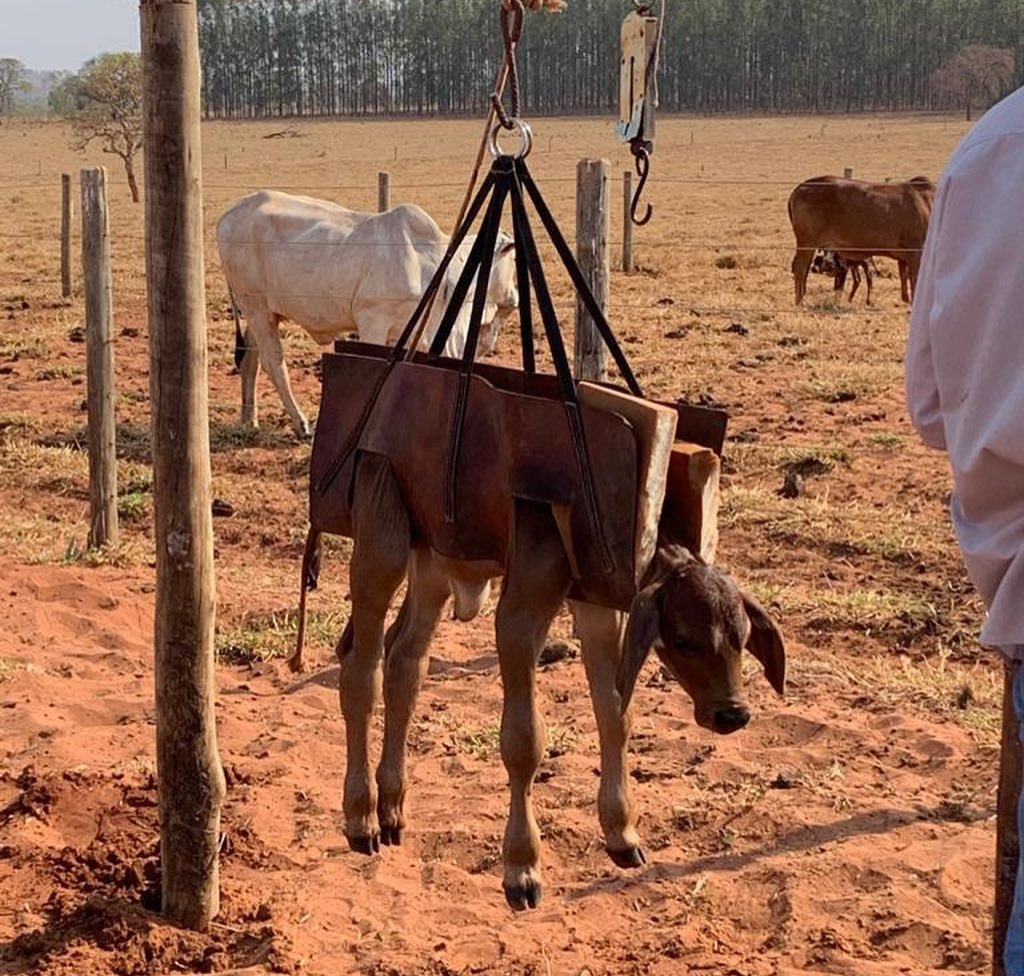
[922, 388]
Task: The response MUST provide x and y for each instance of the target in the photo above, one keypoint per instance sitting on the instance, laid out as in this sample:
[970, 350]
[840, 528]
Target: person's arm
[922, 389]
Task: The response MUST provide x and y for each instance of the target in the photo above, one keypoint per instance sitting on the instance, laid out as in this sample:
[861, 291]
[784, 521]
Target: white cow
[330, 269]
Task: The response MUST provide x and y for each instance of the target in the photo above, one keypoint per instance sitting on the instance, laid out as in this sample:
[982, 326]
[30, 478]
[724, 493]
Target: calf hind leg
[535, 584]
[380, 554]
[600, 631]
[405, 664]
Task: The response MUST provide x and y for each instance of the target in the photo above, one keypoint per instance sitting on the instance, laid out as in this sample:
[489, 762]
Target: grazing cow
[857, 220]
[693, 615]
[330, 269]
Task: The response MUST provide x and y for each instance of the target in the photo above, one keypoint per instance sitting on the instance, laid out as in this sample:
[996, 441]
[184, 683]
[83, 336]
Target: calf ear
[641, 632]
[505, 246]
[766, 644]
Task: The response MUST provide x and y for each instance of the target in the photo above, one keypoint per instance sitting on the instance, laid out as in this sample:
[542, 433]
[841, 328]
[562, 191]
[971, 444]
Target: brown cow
[858, 220]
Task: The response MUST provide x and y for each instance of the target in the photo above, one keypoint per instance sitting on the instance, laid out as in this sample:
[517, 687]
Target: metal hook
[643, 167]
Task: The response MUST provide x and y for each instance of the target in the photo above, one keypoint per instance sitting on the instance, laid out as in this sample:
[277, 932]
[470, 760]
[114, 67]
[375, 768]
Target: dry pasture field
[848, 829]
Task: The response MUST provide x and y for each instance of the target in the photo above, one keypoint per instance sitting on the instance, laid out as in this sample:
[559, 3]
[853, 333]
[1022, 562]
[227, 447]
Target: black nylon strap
[453, 245]
[577, 433]
[353, 439]
[579, 282]
[520, 227]
[487, 240]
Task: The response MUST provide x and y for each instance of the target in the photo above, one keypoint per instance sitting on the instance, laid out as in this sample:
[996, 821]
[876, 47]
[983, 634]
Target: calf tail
[239, 338]
[310, 577]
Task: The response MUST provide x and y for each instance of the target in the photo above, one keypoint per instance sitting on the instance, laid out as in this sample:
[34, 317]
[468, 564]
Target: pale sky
[51, 34]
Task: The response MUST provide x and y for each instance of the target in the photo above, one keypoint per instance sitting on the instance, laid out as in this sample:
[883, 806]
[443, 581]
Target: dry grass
[707, 316]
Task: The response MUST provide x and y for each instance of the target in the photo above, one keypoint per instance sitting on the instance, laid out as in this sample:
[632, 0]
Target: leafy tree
[978, 75]
[11, 83]
[103, 101]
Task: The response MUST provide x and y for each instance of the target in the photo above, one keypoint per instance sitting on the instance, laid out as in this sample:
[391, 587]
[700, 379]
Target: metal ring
[525, 137]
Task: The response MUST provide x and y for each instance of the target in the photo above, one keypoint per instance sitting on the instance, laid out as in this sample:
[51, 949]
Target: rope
[511, 30]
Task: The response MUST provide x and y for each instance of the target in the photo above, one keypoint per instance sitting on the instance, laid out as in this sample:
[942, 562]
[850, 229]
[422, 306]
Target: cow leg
[868, 278]
[904, 293]
[249, 370]
[855, 277]
[405, 664]
[600, 631]
[265, 329]
[801, 266]
[380, 554]
[913, 265]
[536, 581]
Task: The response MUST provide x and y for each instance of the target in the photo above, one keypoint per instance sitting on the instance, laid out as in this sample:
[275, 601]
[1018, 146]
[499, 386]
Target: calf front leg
[405, 664]
[600, 631]
[380, 554]
[536, 581]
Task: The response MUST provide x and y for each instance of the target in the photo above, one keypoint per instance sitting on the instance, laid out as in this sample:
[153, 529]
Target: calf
[693, 615]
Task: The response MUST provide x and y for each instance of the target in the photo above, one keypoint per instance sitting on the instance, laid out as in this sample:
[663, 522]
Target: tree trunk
[129, 169]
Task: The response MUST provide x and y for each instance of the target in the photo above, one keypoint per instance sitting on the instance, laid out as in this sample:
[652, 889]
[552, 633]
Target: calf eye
[682, 644]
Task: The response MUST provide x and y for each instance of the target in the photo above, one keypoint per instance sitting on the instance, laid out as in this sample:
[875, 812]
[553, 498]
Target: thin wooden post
[190, 777]
[99, 351]
[1007, 837]
[65, 234]
[627, 221]
[383, 192]
[848, 173]
[592, 254]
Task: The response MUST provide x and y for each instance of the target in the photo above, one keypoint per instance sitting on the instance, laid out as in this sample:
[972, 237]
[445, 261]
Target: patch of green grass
[120, 554]
[263, 637]
[20, 346]
[133, 505]
[480, 743]
[888, 442]
[62, 372]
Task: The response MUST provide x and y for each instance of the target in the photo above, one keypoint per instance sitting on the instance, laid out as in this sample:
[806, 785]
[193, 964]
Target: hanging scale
[638, 93]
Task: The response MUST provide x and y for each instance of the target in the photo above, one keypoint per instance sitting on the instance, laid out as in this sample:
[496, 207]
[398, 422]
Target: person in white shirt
[965, 384]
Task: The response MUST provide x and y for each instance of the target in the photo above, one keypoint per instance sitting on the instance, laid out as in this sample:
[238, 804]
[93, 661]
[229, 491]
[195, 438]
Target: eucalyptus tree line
[372, 57]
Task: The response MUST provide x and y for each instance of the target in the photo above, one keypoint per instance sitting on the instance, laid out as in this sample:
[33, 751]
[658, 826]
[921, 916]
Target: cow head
[698, 621]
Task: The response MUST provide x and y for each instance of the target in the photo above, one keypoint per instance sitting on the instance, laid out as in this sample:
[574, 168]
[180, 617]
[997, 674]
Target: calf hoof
[390, 835]
[524, 896]
[365, 845]
[629, 857]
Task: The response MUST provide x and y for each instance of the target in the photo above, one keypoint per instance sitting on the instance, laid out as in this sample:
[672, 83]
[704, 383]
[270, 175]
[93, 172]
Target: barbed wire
[564, 180]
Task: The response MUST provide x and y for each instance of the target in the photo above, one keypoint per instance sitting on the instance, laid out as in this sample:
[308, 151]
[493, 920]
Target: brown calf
[693, 615]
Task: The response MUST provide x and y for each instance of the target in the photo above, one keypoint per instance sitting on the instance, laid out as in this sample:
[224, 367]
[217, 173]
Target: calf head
[698, 621]
[824, 262]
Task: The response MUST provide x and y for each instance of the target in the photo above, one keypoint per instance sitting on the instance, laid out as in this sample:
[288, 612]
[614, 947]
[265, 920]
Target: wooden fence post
[65, 234]
[99, 353]
[1007, 837]
[383, 192]
[627, 221]
[189, 773]
[848, 173]
[592, 254]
